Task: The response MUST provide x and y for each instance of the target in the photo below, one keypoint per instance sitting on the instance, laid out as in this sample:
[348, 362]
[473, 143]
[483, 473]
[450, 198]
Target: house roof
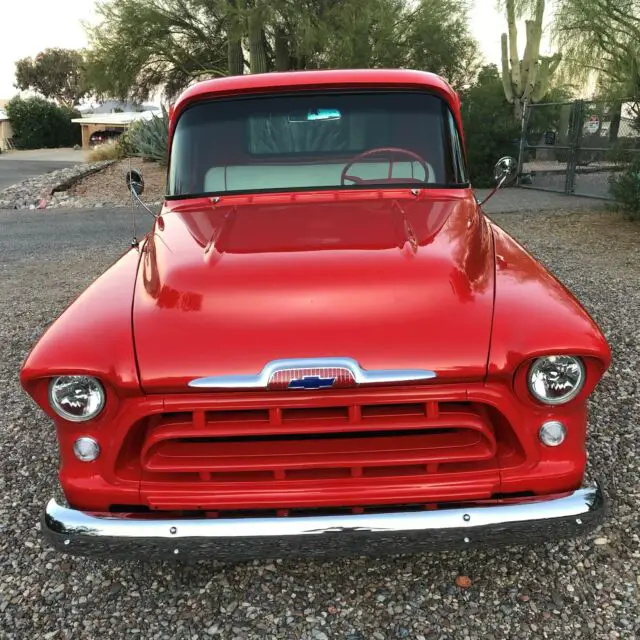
[115, 118]
[113, 106]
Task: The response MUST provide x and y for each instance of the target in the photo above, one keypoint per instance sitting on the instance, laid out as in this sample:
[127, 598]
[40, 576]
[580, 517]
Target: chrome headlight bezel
[549, 361]
[55, 402]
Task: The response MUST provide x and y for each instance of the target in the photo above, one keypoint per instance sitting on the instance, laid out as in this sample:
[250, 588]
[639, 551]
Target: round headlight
[76, 398]
[556, 379]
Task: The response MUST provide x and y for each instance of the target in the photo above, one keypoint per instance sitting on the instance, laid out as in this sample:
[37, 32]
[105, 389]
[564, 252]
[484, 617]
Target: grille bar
[354, 422]
[386, 449]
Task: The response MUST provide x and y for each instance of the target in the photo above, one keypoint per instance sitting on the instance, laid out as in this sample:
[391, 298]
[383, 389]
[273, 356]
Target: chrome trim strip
[360, 375]
[515, 523]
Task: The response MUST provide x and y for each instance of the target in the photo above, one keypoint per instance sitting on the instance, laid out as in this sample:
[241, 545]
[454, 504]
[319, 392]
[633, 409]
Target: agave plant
[148, 138]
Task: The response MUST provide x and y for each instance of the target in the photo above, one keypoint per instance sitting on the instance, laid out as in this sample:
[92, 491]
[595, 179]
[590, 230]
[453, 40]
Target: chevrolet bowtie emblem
[312, 382]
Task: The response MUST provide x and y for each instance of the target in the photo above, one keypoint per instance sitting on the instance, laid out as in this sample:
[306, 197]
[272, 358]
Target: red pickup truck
[323, 345]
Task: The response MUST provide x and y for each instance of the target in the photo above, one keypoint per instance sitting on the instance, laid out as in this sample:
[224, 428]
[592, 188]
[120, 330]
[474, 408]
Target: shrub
[625, 185]
[490, 128]
[38, 123]
[148, 139]
[106, 151]
[125, 147]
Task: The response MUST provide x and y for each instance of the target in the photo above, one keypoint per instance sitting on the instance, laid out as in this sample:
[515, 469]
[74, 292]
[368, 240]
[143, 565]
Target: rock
[38, 188]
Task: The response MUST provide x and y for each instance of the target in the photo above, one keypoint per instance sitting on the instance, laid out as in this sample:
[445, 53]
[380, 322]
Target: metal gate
[576, 147]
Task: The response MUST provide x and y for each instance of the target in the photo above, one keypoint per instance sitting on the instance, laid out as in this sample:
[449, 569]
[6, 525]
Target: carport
[112, 122]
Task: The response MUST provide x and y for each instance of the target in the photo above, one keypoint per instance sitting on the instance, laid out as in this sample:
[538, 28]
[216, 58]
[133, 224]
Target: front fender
[535, 315]
[93, 336]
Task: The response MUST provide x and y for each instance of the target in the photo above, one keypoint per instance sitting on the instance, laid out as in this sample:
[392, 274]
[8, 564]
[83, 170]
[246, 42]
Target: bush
[490, 128]
[625, 185]
[38, 123]
[124, 144]
[148, 139]
[107, 151]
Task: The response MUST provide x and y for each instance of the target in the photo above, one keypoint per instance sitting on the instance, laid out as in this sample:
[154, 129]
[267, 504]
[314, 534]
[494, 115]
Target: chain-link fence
[577, 147]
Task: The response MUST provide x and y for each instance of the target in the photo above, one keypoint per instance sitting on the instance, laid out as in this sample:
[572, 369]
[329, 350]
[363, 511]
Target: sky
[33, 25]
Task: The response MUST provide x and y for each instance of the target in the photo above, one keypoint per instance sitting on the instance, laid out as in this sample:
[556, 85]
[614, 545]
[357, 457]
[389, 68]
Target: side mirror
[504, 172]
[135, 182]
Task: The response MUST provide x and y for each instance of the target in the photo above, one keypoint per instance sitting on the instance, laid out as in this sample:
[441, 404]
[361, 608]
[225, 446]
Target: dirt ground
[109, 185]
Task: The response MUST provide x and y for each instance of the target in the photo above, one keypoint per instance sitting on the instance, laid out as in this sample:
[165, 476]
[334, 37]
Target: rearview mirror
[315, 115]
[135, 181]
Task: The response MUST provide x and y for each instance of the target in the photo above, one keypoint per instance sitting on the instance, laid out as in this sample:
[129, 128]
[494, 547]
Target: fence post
[523, 140]
[577, 118]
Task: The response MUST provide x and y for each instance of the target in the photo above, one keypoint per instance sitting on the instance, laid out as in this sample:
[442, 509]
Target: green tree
[601, 41]
[142, 45]
[139, 46]
[440, 41]
[57, 74]
[490, 130]
[431, 35]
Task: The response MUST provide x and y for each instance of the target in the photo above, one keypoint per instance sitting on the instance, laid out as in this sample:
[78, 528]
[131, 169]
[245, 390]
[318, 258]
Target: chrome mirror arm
[505, 169]
[144, 206]
[494, 191]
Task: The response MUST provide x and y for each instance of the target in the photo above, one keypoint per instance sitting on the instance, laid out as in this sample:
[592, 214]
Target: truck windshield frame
[303, 141]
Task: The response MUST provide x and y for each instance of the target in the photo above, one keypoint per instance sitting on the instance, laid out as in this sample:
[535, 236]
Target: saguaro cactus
[234, 42]
[257, 49]
[525, 80]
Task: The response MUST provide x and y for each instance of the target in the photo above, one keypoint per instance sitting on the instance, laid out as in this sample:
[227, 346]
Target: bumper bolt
[466, 517]
[173, 531]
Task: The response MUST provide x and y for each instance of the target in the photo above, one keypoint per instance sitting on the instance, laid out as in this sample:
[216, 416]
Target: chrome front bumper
[134, 535]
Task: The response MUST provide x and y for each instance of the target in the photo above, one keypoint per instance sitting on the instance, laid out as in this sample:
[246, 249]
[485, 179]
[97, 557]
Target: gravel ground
[109, 186]
[576, 589]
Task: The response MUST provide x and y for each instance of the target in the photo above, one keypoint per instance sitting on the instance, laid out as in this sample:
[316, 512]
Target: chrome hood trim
[360, 375]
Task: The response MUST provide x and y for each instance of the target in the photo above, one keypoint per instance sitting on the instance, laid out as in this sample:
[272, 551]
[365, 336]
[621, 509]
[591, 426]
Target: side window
[457, 153]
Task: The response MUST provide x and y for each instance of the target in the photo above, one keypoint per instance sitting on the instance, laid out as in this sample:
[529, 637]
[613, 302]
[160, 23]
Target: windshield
[315, 141]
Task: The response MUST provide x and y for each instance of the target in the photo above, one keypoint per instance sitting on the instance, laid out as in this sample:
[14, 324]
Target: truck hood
[392, 280]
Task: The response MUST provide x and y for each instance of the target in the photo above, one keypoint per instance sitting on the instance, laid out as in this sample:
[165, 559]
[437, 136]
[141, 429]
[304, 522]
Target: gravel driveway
[576, 589]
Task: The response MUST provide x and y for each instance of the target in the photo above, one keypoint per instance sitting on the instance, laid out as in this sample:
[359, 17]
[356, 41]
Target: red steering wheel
[391, 152]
